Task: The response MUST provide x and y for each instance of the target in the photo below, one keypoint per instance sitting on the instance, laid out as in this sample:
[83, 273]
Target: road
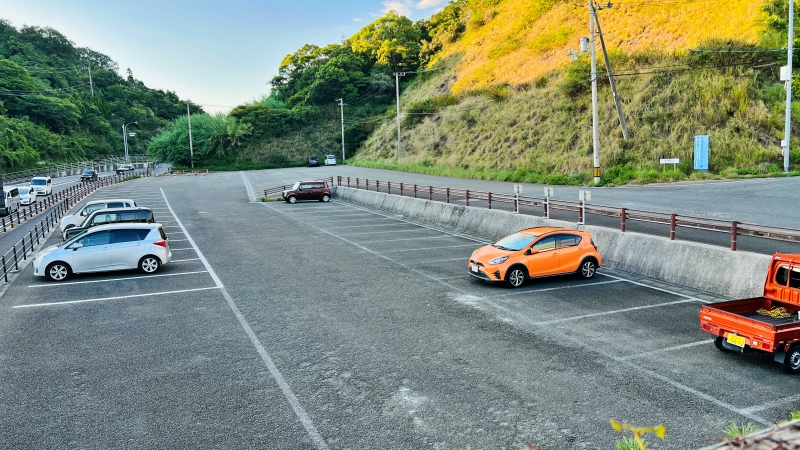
[331, 326]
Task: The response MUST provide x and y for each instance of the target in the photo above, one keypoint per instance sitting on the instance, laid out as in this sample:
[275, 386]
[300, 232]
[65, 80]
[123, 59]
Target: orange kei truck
[769, 323]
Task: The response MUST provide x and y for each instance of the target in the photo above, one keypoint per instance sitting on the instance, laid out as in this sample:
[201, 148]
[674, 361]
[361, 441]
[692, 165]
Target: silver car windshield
[23, 191]
[73, 238]
[38, 182]
[296, 185]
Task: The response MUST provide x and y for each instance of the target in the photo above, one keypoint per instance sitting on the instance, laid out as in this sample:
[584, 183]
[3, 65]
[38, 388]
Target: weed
[629, 443]
[733, 430]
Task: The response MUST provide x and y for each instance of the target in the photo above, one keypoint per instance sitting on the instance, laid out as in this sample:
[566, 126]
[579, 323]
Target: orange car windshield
[515, 242]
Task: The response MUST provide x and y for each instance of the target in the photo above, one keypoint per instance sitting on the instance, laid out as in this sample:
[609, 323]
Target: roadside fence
[52, 209]
[200, 172]
[649, 222]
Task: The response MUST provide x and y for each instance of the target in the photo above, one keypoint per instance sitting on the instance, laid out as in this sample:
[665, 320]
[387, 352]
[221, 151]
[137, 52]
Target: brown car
[307, 190]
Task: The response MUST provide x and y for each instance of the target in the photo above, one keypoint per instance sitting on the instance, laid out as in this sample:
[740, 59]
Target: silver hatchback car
[122, 246]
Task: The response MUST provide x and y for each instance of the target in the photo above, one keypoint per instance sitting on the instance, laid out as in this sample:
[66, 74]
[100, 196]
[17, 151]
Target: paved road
[767, 200]
[329, 326]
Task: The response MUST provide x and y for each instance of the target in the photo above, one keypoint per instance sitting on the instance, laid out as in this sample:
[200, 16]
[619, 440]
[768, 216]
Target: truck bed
[774, 321]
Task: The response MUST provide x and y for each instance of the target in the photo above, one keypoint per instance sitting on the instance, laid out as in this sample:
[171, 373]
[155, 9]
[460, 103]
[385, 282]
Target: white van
[11, 201]
[43, 185]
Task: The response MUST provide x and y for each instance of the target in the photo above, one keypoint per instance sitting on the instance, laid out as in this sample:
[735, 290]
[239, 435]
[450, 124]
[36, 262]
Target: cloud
[357, 20]
[401, 7]
[425, 4]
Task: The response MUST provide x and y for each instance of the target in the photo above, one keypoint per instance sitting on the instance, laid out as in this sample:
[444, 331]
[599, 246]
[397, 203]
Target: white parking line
[411, 239]
[657, 288]
[323, 222]
[105, 280]
[667, 349]
[72, 302]
[572, 286]
[184, 260]
[384, 232]
[176, 249]
[465, 259]
[616, 311]
[368, 225]
[178, 240]
[428, 248]
[773, 404]
[251, 194]
[299, 411]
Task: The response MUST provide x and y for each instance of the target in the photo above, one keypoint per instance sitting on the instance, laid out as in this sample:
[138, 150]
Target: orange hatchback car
[536, 252]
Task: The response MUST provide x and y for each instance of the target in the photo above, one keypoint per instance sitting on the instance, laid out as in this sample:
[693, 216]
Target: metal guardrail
[60, 202]
[26, 175]
[542, 206]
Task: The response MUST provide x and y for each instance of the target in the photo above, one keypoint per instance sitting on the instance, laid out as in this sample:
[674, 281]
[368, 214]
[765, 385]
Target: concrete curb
[707, 268]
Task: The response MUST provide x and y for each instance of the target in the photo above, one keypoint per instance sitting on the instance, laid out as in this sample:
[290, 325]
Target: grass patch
[268, 199]
[629, 443]
[733, 430]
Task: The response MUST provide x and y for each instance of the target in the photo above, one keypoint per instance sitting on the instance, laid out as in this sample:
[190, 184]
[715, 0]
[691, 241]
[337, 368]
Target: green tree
[391, 40]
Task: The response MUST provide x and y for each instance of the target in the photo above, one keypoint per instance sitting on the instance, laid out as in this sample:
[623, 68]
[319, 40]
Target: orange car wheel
[588, 268]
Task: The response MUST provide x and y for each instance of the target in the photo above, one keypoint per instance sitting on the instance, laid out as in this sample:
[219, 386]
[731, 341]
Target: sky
[216, 53]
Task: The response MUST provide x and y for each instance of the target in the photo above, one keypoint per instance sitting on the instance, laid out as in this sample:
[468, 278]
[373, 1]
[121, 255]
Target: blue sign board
[701, 152]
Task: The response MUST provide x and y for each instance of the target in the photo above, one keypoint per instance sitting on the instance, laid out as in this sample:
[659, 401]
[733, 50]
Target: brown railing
[544, 206]
[53, 207]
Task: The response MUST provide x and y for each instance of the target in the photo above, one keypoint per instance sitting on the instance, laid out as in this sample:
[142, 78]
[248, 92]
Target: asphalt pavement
[330, 326]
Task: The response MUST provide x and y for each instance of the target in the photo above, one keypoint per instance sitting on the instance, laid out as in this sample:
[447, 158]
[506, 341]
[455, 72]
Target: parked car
[43, 185]
[307, 190]
[10, 201]
[126, 169]
[112, 215]
[27, 196]
[73, 220]
[142, 246]
[330, 160]
[767, 324]
[536, 252]
[312, 162]
[89, 175]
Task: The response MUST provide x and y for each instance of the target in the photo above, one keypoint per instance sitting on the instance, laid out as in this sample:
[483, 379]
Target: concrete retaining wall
[698, 266]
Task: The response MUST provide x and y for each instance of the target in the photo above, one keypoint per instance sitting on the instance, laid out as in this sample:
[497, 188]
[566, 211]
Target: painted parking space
[627, 321]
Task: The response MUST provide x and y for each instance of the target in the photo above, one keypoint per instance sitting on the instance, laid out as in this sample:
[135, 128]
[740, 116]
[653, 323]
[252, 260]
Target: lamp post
[125, 138]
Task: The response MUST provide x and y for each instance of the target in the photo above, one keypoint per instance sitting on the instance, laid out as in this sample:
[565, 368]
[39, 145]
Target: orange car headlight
[499, 260]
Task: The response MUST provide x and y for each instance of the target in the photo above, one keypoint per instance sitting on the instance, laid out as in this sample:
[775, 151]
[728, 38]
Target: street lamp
[125, 138]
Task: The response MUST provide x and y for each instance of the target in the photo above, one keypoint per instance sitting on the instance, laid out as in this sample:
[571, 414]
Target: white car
[142, 246]
[43, 185]
[73, 220]
[26, 196]
[330, 160]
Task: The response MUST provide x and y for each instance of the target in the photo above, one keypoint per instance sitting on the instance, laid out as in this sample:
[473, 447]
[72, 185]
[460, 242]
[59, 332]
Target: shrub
[733, 430]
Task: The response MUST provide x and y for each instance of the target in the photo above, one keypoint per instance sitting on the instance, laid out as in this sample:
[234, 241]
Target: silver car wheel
[588, 269]
[58, 272]
[326, 198]
[148, 264]
[292, 199]
[516, 277]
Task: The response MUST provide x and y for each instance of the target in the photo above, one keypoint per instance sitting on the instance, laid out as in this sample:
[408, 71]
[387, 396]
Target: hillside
[50, 111]
[508, 106]
[489, 91]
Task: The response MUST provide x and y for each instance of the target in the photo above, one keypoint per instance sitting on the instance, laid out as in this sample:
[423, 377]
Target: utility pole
[786, 76]
[611, 78]
[189, 119]
[342, 105]
[91, 86]
[595, 114]
[397, 76]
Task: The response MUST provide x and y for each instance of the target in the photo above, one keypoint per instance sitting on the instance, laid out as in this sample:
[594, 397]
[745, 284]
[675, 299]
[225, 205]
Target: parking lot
[328, 325]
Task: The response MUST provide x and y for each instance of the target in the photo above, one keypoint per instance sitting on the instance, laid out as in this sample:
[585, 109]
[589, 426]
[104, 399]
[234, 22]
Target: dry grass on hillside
[516, 41]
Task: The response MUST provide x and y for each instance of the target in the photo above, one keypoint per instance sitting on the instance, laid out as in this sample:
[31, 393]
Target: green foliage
[733, 430]
[215, 140]
[49, 113]
[629, 443]
[418, 110]
[391, 40]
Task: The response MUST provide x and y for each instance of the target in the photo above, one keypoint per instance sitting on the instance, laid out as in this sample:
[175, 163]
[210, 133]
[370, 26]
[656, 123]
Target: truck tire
[791, 363]
[718, 344]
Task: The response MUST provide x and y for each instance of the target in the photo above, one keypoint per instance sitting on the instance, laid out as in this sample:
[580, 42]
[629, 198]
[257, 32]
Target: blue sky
[214, 52]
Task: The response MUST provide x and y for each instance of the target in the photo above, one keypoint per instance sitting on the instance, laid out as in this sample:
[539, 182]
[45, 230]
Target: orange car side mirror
[532, 251]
